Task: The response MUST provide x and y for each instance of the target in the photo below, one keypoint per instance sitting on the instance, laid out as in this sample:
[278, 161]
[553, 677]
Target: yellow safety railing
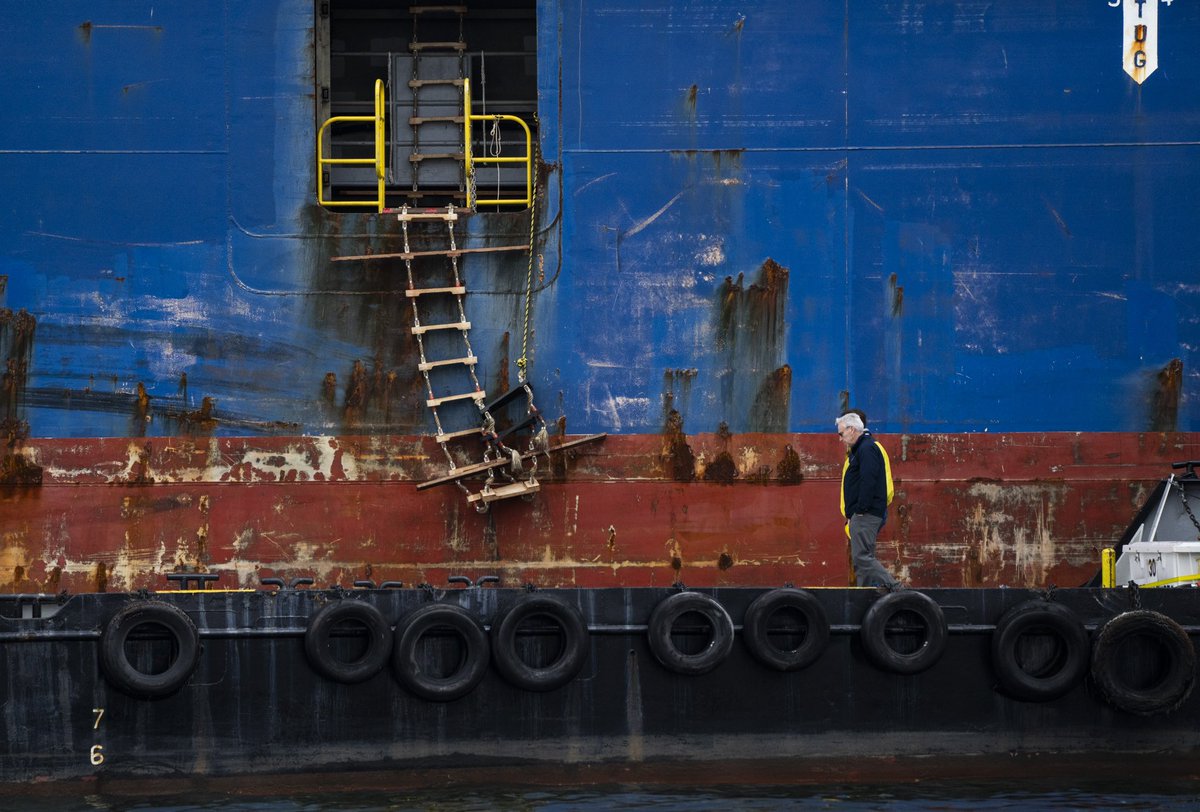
[469, 160]
[1108, 567]
[379, 160]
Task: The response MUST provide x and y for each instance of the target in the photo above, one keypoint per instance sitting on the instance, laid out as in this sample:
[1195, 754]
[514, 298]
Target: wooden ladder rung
[455, 435]
[434, 402]
[416, 120]
[469, 360]
[418, 83]
[425, 214]
[504, 492]
[457, 252]
[413, 293]
[437, 46]
[430, 193]
[435, 156]
[425, 328]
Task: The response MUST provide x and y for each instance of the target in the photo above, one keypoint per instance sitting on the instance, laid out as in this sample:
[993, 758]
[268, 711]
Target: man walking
[866, 478]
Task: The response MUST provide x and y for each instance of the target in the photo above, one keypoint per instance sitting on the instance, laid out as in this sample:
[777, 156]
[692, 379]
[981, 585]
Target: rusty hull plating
[1021, 510]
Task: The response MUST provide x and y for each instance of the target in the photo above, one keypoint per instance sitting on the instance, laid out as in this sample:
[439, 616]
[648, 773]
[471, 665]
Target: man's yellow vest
[887, 473]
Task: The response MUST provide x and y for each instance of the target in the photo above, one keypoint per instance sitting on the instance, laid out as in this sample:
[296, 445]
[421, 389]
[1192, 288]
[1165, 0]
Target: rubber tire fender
[320, 628]
[116, 666]
[663, 618]
[1170, 692]
[570, 661]
[1039, 616]
[874, 632]
[758, 617]
[471, 669]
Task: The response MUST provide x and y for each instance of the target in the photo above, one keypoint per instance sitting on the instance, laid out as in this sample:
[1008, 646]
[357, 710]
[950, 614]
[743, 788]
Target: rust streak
[788, 469]
[1164, 401]
[677, 455]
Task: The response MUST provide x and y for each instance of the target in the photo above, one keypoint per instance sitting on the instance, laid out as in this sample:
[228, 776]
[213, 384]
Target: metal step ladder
[437, 80]
[448, 365]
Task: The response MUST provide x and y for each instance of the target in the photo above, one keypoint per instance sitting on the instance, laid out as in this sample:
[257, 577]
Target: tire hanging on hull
[662, 622]
[874, 632]
[320, 633]
[124, 674]
[1164, 691]
[472, 663]
[569, 659]
[756, 629]
[1039, 679]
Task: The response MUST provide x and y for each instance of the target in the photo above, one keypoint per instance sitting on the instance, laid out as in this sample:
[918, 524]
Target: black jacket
[864, 485]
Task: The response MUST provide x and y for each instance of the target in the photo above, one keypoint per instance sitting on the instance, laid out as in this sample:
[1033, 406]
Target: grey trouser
[867, 570]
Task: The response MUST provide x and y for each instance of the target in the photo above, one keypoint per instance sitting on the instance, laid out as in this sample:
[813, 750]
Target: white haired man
[866, 491]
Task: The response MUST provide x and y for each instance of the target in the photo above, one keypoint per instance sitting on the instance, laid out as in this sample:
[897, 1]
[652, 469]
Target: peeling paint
[237, 508]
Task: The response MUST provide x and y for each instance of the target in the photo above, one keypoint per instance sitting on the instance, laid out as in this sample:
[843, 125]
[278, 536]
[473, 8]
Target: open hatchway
[436, 63]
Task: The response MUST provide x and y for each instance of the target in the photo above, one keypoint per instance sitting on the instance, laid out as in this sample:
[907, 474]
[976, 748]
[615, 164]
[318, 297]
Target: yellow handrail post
[1108, 567]
[469, 160]
[380, 140]
[378, 160]
[468, 164]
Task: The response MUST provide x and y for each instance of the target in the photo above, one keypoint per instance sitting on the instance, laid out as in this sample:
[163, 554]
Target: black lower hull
[257, 702]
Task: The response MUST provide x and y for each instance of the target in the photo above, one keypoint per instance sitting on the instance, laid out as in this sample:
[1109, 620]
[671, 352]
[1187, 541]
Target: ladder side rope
[523, 361]
[408, 266]
[419, 336]
[495, 448]
[540, 441]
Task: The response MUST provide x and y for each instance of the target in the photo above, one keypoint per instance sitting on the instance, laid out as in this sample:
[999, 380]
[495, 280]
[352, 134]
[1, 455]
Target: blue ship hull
[959, 219]
[955, 218]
